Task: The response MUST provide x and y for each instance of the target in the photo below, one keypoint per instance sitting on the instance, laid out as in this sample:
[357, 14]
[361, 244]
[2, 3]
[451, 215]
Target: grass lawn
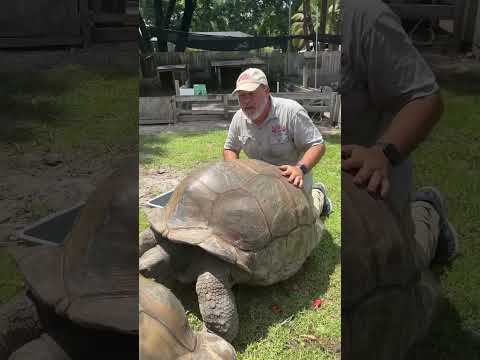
[276, 322]
[450, 159]
[73, 108]
[70, 107]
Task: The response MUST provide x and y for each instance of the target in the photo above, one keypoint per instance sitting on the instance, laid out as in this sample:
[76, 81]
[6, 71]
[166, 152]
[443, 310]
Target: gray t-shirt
[381, 72]
[281, 139]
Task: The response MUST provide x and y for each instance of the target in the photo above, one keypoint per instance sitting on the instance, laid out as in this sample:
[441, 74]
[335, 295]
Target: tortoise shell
[246, 213]
[92, 278]
[388, 300]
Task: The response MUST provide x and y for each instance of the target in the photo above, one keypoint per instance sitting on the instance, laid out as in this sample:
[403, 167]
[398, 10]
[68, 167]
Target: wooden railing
[224, 106]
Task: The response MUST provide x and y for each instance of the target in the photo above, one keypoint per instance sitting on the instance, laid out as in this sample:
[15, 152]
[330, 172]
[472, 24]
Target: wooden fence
[224, 106]
[328, 62]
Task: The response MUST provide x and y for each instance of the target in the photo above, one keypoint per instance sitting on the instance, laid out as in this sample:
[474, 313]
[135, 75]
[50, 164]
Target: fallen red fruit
[276, 309]
[317, 303]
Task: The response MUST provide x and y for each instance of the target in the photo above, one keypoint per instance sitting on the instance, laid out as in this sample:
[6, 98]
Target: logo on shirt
[276, 129]
[279, 134]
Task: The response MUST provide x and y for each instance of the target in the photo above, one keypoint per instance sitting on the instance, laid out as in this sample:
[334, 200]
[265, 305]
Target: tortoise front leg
[42, 348]
[217, 302]
[19, 324]
[155, 263]
[146, 241]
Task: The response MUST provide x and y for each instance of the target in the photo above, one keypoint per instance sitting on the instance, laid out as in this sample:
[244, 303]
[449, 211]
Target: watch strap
[303, 168]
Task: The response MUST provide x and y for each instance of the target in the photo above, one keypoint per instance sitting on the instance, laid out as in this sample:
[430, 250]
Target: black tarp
[232, 43]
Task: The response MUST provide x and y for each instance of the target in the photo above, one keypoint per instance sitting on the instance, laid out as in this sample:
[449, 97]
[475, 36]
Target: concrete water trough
[51, 230]
[160, 201]
[54, 229]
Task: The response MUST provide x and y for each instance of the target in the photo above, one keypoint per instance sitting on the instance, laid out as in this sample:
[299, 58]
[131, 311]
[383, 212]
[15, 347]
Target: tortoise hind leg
[42, 348]
[19, 324]
[217, 303]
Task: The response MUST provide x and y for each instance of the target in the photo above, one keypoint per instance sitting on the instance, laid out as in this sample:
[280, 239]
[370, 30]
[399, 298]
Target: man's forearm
[229, 154]
[413, 123]
[313, 155]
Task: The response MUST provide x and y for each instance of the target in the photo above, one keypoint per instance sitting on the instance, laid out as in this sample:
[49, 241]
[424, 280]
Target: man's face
[253, 103]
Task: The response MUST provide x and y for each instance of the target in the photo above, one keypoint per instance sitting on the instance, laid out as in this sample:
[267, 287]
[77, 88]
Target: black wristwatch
[303, 168]
[391, 153]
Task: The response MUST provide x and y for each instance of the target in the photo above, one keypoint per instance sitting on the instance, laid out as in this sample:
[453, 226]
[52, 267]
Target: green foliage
[11, 281]
[333, 19]
[260, 17]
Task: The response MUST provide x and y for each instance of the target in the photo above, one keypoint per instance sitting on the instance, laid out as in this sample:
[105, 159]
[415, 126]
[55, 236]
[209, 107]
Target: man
[390, 103]
[277, 131]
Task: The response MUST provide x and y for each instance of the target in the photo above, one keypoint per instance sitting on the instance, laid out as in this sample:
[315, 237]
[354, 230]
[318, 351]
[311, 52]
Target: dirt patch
[154, 182]
[36, 184]
[451, 66]
[202, 126]
[194, 126]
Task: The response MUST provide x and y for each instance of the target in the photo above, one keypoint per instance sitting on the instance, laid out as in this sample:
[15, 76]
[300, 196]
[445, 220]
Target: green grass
[11, 282]
[73, 108]
[450, 159]
[294, 330]
[70, 107]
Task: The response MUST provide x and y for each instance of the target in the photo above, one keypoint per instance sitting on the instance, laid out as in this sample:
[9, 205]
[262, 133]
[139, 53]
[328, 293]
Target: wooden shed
[25, 23]
[40, 23]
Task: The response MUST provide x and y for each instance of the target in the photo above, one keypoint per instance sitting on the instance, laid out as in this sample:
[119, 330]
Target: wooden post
[305, 73]
[174, 109]
[219, 77]
[333, 108]
[459, 21]
[225, 106]
[323, 20]
[476, 36]
[177, 87]
[86, 22]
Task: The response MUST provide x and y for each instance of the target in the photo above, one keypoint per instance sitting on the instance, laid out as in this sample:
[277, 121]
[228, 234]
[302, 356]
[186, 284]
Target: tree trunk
[159, 22]
[186, 22]
[307, 20]
[170, 9]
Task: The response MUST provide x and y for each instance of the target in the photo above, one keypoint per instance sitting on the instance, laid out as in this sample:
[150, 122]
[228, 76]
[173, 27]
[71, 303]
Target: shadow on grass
[152, 146]
[335, 139]
[288, 298]
[22, 119]
[29, 103]
[462, 84]
[447, 339]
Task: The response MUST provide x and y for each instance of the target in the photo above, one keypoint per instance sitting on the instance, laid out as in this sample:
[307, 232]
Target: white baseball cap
[250, 79]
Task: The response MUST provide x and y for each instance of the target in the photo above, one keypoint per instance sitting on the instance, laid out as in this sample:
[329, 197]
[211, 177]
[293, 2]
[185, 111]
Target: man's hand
[370, 166]
[230, 154]
[293, 173]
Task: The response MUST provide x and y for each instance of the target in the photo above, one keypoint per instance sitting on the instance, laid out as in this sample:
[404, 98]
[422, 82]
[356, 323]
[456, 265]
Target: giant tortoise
[91, 280]
[226, 223]
[388, 299]
[164, 331]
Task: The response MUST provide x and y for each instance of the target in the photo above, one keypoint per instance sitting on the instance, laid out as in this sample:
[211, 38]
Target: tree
[300, 25]
[254, 17]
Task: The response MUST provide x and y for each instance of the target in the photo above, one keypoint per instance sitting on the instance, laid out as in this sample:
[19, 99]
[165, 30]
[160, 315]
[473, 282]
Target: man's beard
[254, 116]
